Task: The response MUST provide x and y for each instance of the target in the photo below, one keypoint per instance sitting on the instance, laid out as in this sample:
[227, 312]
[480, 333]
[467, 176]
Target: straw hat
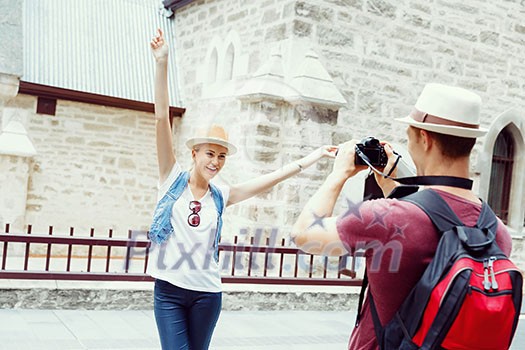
[214, 134]
[447, 110]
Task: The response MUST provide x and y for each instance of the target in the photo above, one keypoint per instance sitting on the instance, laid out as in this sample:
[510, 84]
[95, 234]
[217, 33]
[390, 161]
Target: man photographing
[398, 237]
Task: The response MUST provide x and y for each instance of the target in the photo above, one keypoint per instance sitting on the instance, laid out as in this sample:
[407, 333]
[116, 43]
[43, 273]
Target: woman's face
[209, 159]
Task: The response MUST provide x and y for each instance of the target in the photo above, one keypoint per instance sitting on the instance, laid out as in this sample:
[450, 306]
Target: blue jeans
[185, 318]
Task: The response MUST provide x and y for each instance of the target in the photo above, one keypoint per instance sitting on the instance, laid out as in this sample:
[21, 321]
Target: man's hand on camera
[387, 185]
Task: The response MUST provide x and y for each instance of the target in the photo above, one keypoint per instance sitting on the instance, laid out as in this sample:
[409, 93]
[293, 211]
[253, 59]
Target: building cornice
[51, 92]
[175, 4]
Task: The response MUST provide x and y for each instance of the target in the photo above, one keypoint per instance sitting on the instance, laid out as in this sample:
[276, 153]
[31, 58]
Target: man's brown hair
[453, 146]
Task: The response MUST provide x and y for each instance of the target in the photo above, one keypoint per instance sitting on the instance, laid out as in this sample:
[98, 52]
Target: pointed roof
[300, 78]
[314, 84]
[268, 81]
[14, 139]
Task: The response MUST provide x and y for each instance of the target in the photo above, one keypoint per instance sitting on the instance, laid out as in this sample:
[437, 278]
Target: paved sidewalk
[135, 330]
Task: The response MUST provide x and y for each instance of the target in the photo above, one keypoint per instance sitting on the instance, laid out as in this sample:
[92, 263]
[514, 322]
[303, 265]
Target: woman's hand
[327, 151]
[159, 47]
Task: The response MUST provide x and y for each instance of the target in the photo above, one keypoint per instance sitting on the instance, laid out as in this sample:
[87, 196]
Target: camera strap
[431, 180]
[435, 180]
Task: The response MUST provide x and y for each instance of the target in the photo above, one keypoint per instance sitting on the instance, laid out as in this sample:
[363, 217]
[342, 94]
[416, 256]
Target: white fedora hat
[447, 110]
[214, 134]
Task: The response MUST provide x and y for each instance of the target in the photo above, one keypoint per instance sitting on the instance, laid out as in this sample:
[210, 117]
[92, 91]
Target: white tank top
[186, 259]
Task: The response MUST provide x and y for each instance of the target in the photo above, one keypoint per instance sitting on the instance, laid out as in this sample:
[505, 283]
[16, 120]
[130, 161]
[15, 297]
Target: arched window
[212, 66]
[501, 174]
[228, 62]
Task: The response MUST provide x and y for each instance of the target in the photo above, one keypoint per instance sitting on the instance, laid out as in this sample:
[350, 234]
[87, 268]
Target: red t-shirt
[403, 242]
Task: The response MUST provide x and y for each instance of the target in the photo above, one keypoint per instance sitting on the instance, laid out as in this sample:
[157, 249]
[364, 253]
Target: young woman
[188, 220]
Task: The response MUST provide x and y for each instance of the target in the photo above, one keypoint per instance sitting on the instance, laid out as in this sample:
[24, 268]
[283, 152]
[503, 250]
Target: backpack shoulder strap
[437, 209]
[487, 218]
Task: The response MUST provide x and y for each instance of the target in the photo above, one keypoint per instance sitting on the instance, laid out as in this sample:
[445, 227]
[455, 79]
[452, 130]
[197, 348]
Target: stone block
[188, 44]
[374, 64]
[267, 143]
[328, 36]
[217, 21]
[462, 34]
[416, 20]
[382, 8]
[316, 114]
[326, 14]
[276, 33]
[438, 28]
[270, 16]
[75, 140]
[100, 128]
[126, 163]
[357, 4]
[460, 6]
[479, 85]
[265, 156]
[454, 67]
[268, 130]
[307, 10]
[100, 144]
[301, 29]
[237, 16]
[202, 15]
[420, 6]
[344, 17]
[289, 10]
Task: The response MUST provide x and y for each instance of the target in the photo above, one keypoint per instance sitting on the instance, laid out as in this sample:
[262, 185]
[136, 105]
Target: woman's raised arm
[165, 154]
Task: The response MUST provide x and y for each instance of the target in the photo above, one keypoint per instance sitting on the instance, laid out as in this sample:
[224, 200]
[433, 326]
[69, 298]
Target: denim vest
[161, 227]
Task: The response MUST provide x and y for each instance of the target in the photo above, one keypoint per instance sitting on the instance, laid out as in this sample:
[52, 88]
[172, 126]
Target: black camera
[373, 151]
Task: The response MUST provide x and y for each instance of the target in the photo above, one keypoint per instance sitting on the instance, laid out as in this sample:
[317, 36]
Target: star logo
[353, 209]
[318, 220]
[379, 217]
[399, 231]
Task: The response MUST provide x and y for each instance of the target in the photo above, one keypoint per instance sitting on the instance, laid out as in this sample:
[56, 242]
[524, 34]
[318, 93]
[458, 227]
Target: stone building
[285, 77]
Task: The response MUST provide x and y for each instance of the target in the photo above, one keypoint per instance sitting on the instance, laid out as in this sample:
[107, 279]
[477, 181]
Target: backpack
[469, 296]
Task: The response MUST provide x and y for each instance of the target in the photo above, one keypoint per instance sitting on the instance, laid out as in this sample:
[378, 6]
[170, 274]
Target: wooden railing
[54, 256]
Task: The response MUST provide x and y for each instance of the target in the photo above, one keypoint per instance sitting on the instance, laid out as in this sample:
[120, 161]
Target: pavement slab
[25, 329]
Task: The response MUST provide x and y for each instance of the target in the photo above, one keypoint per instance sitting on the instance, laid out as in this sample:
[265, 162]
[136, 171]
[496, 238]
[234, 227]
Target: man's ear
[426, 139]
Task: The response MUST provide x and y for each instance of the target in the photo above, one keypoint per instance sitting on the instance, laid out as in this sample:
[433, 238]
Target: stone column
[263, 101]
[16, 149]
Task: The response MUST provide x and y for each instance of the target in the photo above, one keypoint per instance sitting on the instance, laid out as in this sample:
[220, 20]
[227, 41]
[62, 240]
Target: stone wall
[379, 53]
[13, 190]
[11, 62]
[118, 299]
[95, 168]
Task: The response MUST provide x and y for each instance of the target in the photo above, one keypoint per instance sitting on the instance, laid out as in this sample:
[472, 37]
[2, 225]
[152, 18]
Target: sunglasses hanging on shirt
[194, 219]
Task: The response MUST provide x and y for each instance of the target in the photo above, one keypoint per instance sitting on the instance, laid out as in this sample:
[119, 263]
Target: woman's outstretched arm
[165, 154]
[262, 183]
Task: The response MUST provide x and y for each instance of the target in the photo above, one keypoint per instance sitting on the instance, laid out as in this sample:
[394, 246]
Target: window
[212, 66]
[228, 63]
[501, 174]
